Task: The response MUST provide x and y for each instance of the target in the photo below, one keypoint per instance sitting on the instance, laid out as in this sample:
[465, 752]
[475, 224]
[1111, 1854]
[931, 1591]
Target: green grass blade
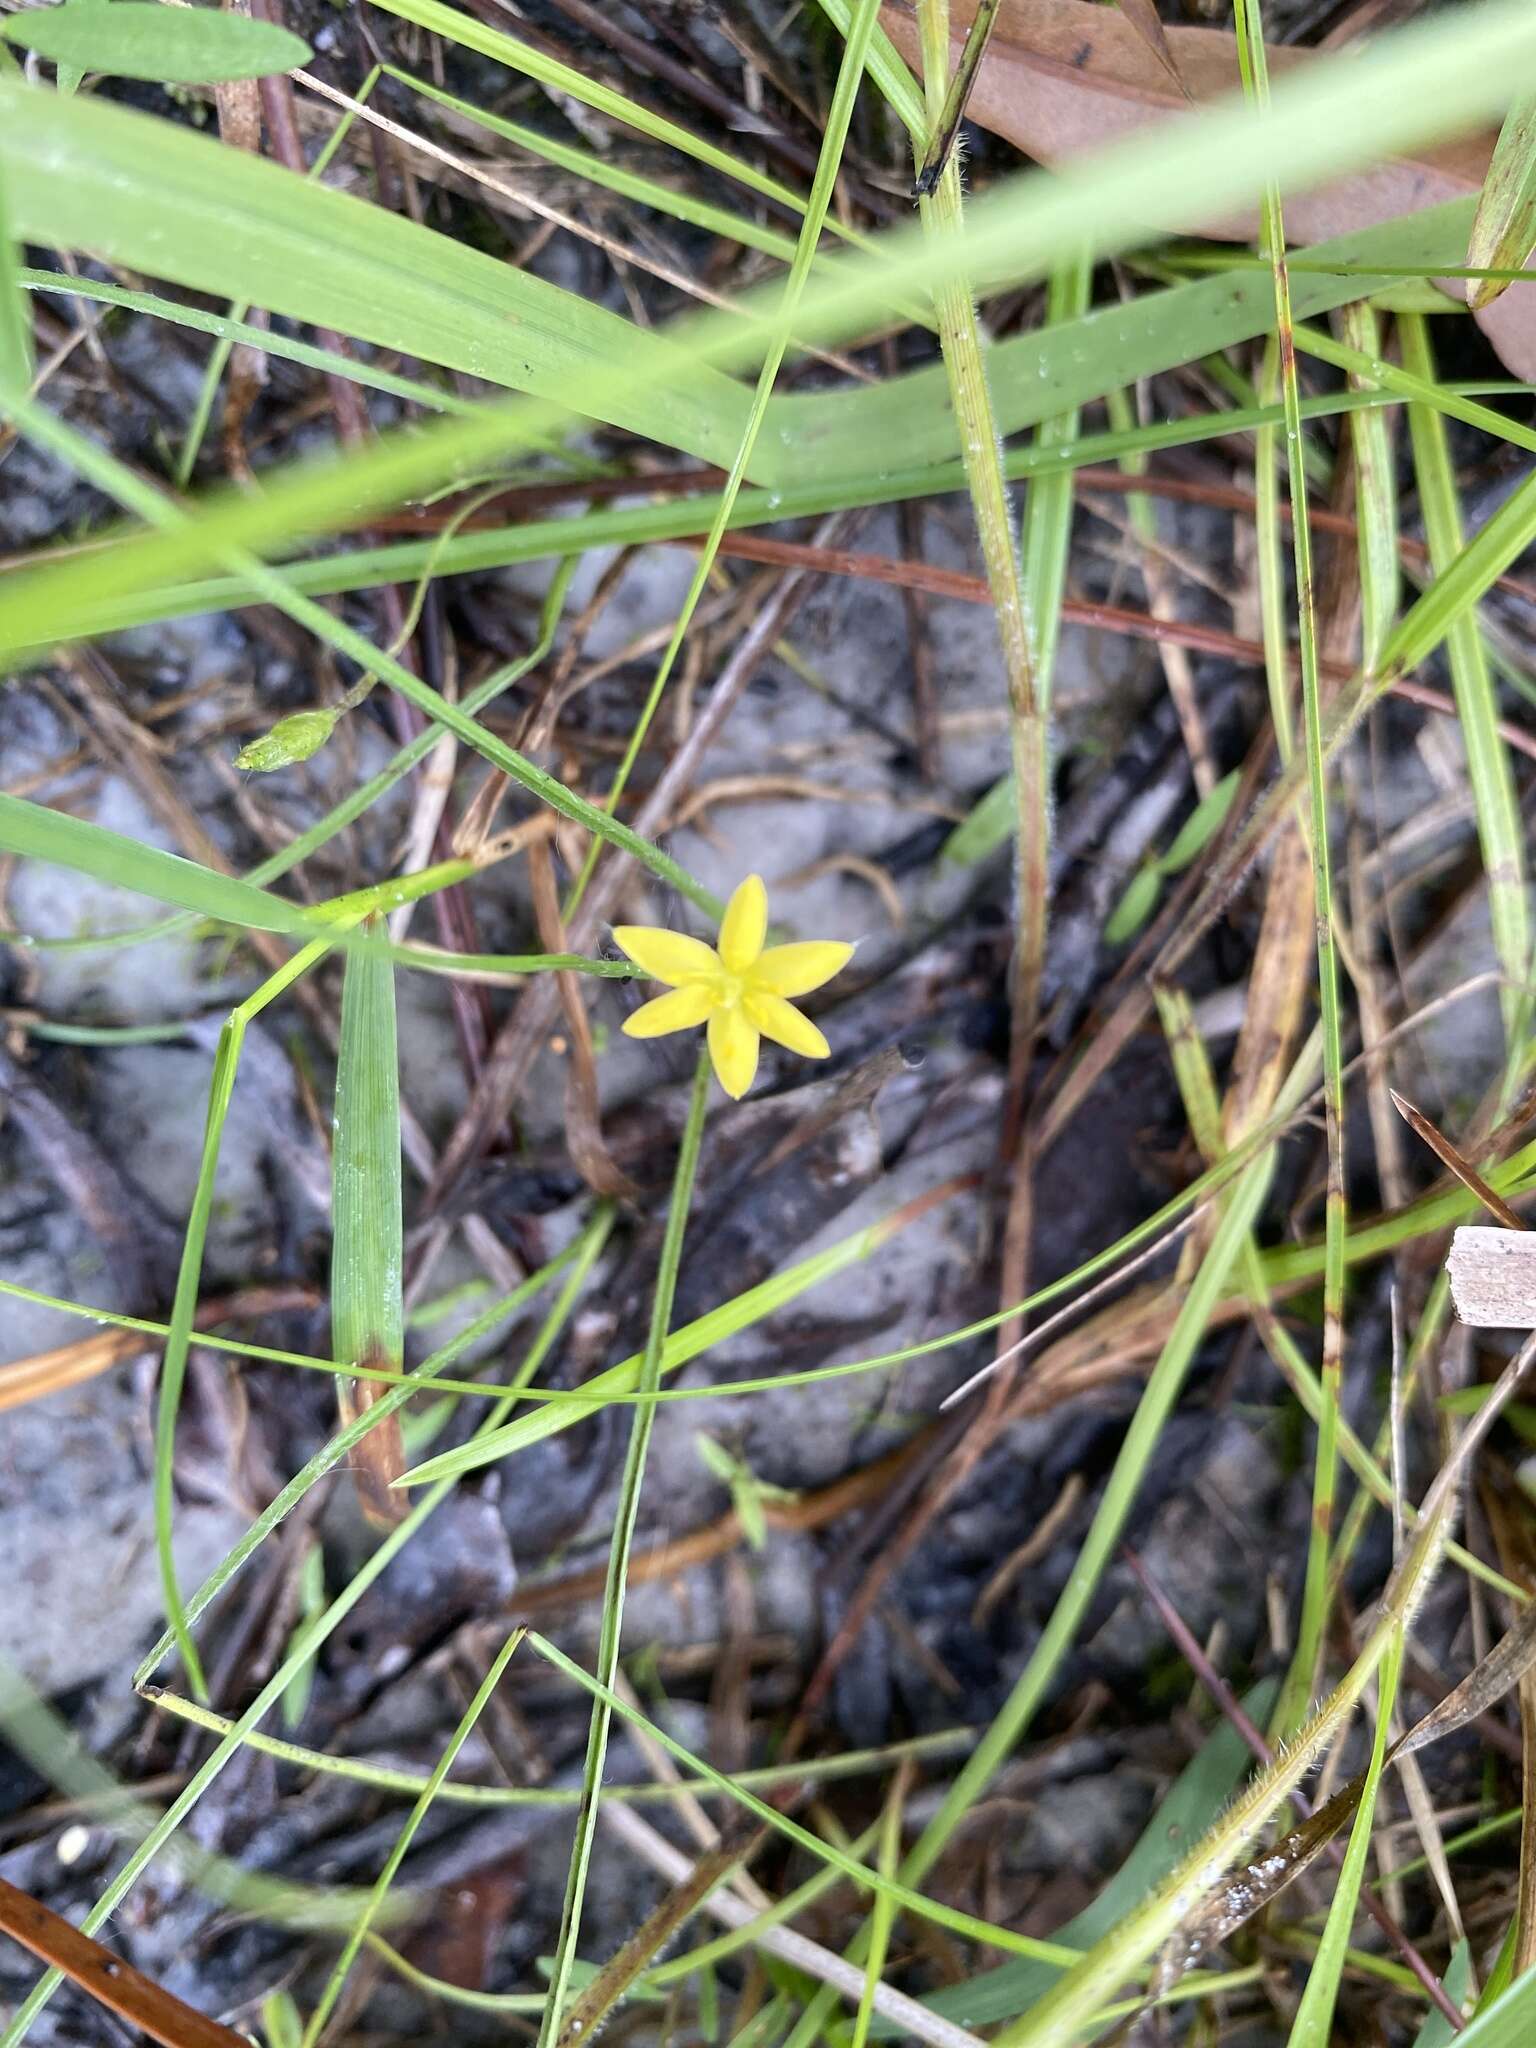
[227, 328]
[334, 1984]
[626, 1515]
[189, 1274]
[1152, 1411]
[1381, 572]
[34, 832]
[612, 177]
[1499, 825]
[902, 94]
[1504, 230]
[680, 1348]
[1313, 2024]
[828, 163]
[367, 1248]
[159, 198]
[166, 45]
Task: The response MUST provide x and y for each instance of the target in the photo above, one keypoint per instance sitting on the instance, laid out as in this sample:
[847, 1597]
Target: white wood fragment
[1493, 1277]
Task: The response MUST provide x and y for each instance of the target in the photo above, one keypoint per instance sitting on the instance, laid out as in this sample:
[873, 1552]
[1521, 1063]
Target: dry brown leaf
[1062, 77]
[113, 1983]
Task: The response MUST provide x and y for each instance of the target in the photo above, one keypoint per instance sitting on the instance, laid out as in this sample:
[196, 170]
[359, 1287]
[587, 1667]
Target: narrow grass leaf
[1504, 229]
[1381, 572]
[165, 45]
[34, 832]
[1437, 2031]
[1190, 1805]
[626, 1516]
[228, 329]
[16, 357]
[681, 1346]
[342, 1968]
[188, 1280]
[367, 1254]
[1313, 2024]
[1499, 826]
[611, 176]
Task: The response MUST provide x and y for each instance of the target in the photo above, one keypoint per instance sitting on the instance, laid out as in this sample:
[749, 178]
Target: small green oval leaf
[1201, 826]
[163, 45]
[1134, 907]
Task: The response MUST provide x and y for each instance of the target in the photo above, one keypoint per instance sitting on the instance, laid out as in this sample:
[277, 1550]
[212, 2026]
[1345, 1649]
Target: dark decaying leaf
[1063, 77]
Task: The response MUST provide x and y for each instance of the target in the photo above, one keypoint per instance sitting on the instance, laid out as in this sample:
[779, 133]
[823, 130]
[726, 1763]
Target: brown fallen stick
[107, 1978]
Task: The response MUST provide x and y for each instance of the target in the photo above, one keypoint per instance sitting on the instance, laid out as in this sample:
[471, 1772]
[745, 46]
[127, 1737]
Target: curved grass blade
[35, 832]
[1313, 2024]
[626, 1515]
[359, 1934]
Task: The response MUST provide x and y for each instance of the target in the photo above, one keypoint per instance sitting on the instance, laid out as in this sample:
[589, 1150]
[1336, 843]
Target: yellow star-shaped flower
[740, 990]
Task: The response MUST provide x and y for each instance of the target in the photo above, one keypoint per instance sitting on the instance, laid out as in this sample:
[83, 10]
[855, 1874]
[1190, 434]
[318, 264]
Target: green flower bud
[292, 739]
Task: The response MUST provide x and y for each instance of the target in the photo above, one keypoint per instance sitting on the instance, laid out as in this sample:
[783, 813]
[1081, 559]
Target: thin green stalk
[1046, 534]
[1381, 576]
[1252, 58]
[1500, 829]
[184, 1305]
[1268, 550]
[307, 1640]
[581, 1257]
[1313, 2024]
[384, 1778]
[102, 469]
[901, 1894]
[882, 1916]
[829, 160]
[965, 369]
[626, 1515]
[418, 1813]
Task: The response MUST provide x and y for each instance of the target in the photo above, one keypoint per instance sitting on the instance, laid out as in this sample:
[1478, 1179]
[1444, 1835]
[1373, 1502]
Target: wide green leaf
[157, 198]
[167, 45]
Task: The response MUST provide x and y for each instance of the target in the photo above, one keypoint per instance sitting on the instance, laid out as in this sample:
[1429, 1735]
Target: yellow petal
[674, 1012]
[733, 1049]
[796, 970]
[783, 1023]
[666, 956]
[744, 925]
